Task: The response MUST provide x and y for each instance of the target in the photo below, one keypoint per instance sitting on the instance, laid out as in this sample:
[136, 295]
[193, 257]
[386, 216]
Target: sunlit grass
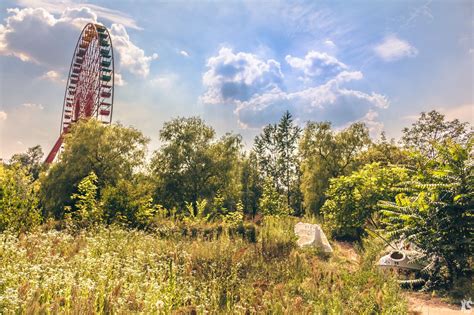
[116, 270]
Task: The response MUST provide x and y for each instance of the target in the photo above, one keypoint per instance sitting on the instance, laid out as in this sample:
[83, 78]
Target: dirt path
[424, 304]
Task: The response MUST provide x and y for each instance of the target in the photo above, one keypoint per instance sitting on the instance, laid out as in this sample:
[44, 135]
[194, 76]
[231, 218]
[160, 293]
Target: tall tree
[112, 152]
[327, 154]
[192, 165]
[432, 128]
[32, 160]
[276, 149]
[251, 184]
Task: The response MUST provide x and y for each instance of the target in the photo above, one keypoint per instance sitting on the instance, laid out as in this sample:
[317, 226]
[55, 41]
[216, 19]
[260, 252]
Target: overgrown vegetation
[204, 192]
[113, 270]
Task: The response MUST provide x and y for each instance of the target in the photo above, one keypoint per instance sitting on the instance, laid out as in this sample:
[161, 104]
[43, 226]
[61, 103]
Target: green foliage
[432, 128]
[277, 156]
[271, 202]
[352, 201]
[86, 210]
[251, 184]
[191, 165]
[327, 154]
[112, 152]
[32, 160]
[435, 212]
[196, 214]
[117, 271]
[130, 202]
[19, 209]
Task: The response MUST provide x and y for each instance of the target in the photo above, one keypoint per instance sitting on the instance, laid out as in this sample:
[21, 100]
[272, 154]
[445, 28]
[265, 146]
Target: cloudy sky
[241, 64]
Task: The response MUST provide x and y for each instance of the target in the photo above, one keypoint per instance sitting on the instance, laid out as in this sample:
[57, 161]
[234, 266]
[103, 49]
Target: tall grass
[114, 270]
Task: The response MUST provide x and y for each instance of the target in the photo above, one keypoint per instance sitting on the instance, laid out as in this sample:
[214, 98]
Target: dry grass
[121, 271]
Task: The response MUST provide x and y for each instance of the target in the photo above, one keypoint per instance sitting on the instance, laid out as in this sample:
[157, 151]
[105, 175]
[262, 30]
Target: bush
[435, 212]
[18, 199]
[352, 200]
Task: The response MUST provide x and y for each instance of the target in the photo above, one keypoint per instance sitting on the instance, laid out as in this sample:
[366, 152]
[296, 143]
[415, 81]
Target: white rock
[312, 235]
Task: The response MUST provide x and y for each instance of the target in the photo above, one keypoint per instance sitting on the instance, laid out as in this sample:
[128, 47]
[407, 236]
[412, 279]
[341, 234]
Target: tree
[86, 209]
[112, 152]
[271, 202]
[129, 201]
[352, 200]
[435, 212]
[432, 128]
[251, 184]
[276, 150]
[192, 165]
[18, 198]
[385, 152]
[32, 160]
[326, 154]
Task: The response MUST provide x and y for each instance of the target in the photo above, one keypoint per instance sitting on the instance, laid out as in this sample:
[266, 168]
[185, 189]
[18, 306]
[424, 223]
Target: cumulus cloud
[118, 79]
[259, 98]
[316, 63]
[393, 48]
[3, 115]
[323, 102]
[131, 57]
[58, 7]
[238, 76]
[36, 35]
[184, 53]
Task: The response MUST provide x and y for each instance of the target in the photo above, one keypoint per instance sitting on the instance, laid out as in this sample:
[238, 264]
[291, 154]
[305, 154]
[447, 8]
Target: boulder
[312, 235]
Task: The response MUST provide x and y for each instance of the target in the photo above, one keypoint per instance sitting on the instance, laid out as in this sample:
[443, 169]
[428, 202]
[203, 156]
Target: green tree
[112, 152]
[327, 154]
[432, 128]
[352, 200]
[129, 201]
[276, 149]
[18, 198]
[192, 165]
[32, 160]
[251, 184]
[86, 209]
[385, 152]
[271, 202]
[435, 212]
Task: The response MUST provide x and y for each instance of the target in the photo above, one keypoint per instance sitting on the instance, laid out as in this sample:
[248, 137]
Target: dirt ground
[424, 304]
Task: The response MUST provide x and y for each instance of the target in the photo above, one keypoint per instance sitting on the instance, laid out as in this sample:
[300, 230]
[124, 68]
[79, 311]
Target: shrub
[18, 199]
[435, 212]
[352, 200]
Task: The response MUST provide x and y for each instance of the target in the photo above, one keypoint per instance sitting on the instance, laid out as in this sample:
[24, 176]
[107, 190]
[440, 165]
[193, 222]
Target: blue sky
[240, 64]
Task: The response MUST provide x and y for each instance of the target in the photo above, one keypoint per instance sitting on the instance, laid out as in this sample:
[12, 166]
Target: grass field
[106, 270]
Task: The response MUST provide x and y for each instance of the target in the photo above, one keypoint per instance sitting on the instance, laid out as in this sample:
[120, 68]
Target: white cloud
[329, 43]
[258, 104]
[118, 79]
[238, 76]
[33, 106]
[3, 115]
[394, 48]
[36, 35]
[131, 57]
[58, 7]
[52, 75]
[184, 53]
[315, 63]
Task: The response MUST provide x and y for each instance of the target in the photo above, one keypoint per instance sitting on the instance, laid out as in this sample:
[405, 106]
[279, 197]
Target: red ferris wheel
[90, 84]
